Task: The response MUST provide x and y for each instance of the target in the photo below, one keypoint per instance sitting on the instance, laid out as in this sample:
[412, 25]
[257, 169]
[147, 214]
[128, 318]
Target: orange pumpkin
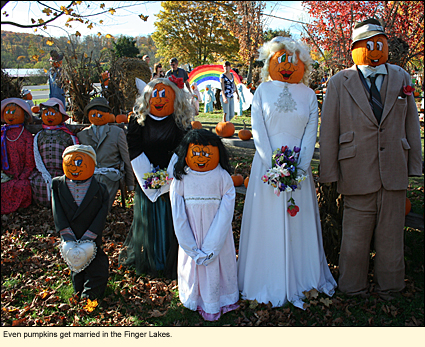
[225, 129]
[111, 118]
[98, 117]
[162, 100]
[282, 67]
[202, 158]
[121, 118]
[244, 134]
[51, 116]
[408, 207]
[416, 94]
[237, 180]
[372, 51]
[13, 114]
[245, 182]
[196, 124]
[35, 109]
[78, 166]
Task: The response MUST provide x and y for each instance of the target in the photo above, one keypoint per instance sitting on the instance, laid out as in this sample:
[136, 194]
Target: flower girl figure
[202, 201]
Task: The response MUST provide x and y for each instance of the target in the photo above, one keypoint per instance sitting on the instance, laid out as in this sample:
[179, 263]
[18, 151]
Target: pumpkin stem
[237, 165]
[244, 125]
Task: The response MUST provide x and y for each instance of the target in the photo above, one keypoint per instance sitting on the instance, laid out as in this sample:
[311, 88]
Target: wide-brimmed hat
[87, 149]
[22, 103]
[98, 101]
[56, 102]
[366, 29]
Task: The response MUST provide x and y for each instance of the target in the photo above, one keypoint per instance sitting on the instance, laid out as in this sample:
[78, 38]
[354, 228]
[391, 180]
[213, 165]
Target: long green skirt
[151, 245]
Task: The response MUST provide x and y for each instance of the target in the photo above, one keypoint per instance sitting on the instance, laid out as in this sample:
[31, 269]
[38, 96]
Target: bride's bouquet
[284, 175]
[156, 178]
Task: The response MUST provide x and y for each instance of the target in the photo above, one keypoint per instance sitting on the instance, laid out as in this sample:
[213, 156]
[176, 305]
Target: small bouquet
[156, 179]
[284, 174]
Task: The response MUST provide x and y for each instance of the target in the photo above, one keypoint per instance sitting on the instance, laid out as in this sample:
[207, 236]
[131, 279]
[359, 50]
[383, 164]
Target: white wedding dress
[281, 256]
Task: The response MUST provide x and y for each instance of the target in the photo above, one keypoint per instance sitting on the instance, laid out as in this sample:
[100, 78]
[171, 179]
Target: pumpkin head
[162, 100]
[13, 114]
[202, 158]
[372, 51]
[51, 116]
[57, 63]
[78, 166]
[282, 67]
[98, 118]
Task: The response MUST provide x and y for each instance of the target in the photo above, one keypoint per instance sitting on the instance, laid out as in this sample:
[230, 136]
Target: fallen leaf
[156, 313]
[253, 304]
[326, 301]
[311, 294]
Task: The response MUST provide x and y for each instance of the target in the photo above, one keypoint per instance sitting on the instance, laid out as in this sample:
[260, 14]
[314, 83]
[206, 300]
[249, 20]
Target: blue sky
[126, 21]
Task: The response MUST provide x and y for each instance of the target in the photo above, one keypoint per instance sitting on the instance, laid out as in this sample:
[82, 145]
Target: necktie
[375, 97]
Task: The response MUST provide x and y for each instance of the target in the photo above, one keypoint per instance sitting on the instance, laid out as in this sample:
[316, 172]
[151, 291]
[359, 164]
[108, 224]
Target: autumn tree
[194, 32]
[248, 28]
[331, 31]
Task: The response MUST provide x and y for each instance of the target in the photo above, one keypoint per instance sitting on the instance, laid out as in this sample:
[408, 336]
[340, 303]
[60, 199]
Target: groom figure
[370, 144]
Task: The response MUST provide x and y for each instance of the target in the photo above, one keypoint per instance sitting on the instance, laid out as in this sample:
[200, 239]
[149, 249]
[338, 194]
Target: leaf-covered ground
[36, 289]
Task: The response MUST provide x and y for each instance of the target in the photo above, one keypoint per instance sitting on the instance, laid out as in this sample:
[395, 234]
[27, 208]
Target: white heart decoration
[78, 254]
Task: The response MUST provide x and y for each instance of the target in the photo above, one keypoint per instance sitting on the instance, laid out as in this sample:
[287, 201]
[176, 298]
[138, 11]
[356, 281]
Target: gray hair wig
[184, 112]
[291, 46]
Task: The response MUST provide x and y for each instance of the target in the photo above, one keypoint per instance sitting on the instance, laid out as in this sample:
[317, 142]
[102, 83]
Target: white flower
[288, 189]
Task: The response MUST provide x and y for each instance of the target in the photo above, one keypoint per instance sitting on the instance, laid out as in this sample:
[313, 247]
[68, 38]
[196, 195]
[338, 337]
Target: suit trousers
[379, 215]
[92, 281]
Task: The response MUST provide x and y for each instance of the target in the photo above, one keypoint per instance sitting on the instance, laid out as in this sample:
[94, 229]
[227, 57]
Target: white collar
[157, 118]
[370, 71]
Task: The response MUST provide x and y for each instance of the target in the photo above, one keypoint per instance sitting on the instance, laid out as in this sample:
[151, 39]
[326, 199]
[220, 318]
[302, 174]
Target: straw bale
[131, 68]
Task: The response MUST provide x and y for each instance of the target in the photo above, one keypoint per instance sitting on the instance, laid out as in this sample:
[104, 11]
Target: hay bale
[130, 68]
[10, 87]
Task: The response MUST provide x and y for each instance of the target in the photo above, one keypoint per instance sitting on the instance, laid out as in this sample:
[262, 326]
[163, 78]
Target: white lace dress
[281, 256]
[202, 205]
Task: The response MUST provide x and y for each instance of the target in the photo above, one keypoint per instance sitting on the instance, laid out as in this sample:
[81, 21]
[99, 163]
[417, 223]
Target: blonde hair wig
[184, 112]
[291, 46]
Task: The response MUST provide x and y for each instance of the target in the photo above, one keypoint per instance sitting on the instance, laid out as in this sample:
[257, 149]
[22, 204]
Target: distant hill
[32, 51]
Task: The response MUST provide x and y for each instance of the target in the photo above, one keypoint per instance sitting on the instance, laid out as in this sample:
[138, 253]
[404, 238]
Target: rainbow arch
[209, 74]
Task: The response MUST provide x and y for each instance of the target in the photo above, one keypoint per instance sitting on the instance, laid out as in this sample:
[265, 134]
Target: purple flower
[297, 149]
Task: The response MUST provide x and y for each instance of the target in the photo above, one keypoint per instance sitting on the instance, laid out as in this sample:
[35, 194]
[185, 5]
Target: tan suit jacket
[111, 150]
[357, 152]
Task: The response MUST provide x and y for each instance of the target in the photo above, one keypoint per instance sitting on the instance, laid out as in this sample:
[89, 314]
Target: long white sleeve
[182, 227]
[308, 141]
[259, 131]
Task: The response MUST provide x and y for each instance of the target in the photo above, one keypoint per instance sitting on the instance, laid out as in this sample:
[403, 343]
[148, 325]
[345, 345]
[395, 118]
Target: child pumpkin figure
[110, 144]
[203, 200]
[80, 207]
[17, 159]
[162, 116]
[370, 144]
[49, 144]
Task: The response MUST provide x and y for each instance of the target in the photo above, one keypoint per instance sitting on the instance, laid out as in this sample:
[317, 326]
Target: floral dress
[16, 193]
